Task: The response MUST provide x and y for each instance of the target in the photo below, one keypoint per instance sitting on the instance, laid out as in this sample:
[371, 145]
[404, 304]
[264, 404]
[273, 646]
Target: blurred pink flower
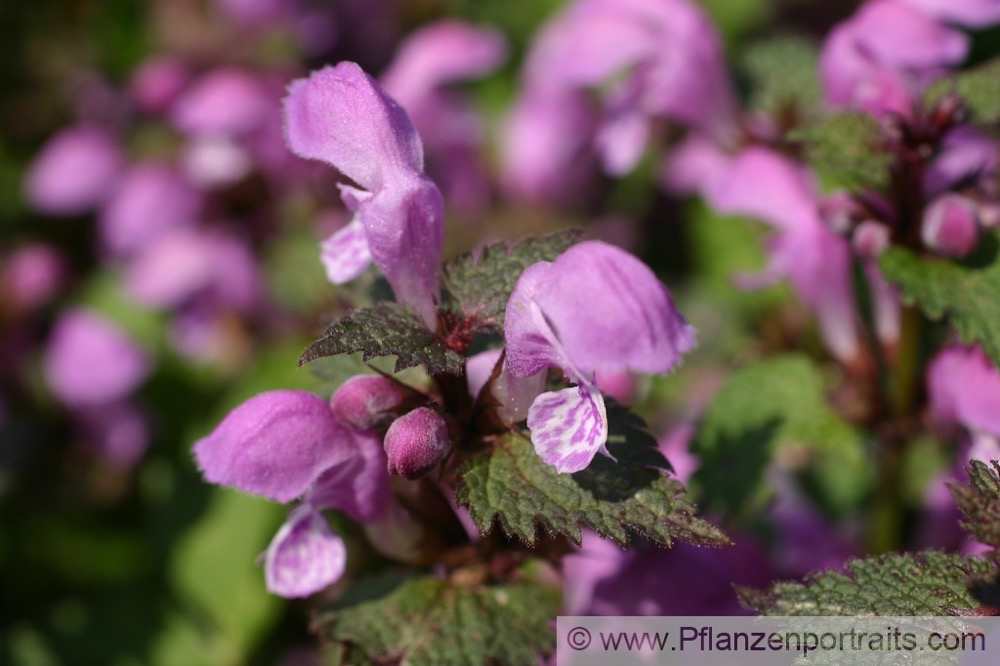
[74, 172]
[90, 361]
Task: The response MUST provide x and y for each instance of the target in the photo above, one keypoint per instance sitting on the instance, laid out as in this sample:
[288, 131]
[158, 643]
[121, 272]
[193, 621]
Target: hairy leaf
[979, 500]
[432, 621]
[783, 74]
[979, 88]
[847, 149]
[510, 482]
[928, 583]
[966, 290]
[775, 408]
[388, 329]
[479, 283]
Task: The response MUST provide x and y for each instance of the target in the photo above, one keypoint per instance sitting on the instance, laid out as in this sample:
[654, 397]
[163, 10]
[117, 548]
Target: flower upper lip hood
[341, 116]
[594, 309]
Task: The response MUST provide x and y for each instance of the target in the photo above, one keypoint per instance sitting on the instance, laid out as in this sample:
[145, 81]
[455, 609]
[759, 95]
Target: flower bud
[951, 225]
[416, 442]
[870, 239]
[840, 211]
[364, 402]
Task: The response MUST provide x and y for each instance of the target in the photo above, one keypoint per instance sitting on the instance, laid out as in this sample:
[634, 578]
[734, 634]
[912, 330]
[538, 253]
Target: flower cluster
[596, 308]
[512, 419]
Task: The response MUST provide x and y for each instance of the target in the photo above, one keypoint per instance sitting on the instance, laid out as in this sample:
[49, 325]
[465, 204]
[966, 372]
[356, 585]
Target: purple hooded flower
[188, 264]
[118, 432]
[257, 12]
[596, 308]
[288, 444]
[32, 275]
[439, 54]
[156, 83]
[763, 184]
[359, 488]
[964, 154]
[150, 200]
[603, 579]
[884, 55]
[972, 13]
[74, 172]
[964, 389]
[276, 444]
[225, 101]
[427, 62]
[648, 59]
[545, 155]
[341, 116]
[90, 361]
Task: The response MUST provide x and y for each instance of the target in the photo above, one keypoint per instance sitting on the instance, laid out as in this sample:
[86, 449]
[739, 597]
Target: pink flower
[763, 184]
[646, 59]
[885, 54]
[74, 172]
[90, 361]
[596, 308]
[341, 116]
[286, 445]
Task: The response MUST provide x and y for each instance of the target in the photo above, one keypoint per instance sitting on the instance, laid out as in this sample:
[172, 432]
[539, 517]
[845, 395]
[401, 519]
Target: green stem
[885, 529]
[904, 372]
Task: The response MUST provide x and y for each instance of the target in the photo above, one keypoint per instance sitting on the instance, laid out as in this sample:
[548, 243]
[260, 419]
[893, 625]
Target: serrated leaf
[783, 74]
[979, 501]
[479, 283]
[979, 88]
[847, 150]
[965, 290]
[767, 410]
[432, 621]
[510, 483]
[928, 583]
[388, 329]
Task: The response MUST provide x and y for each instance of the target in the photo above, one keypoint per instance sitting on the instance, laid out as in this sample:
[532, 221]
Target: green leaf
[966, 290]
[928, 583]
[215, 568]
[431, 621]
[511, 483]
[479, 283]
[783, 75]
[979, 500]
[847, 149]
[385, 330]
[979, 88]
[775, 408]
